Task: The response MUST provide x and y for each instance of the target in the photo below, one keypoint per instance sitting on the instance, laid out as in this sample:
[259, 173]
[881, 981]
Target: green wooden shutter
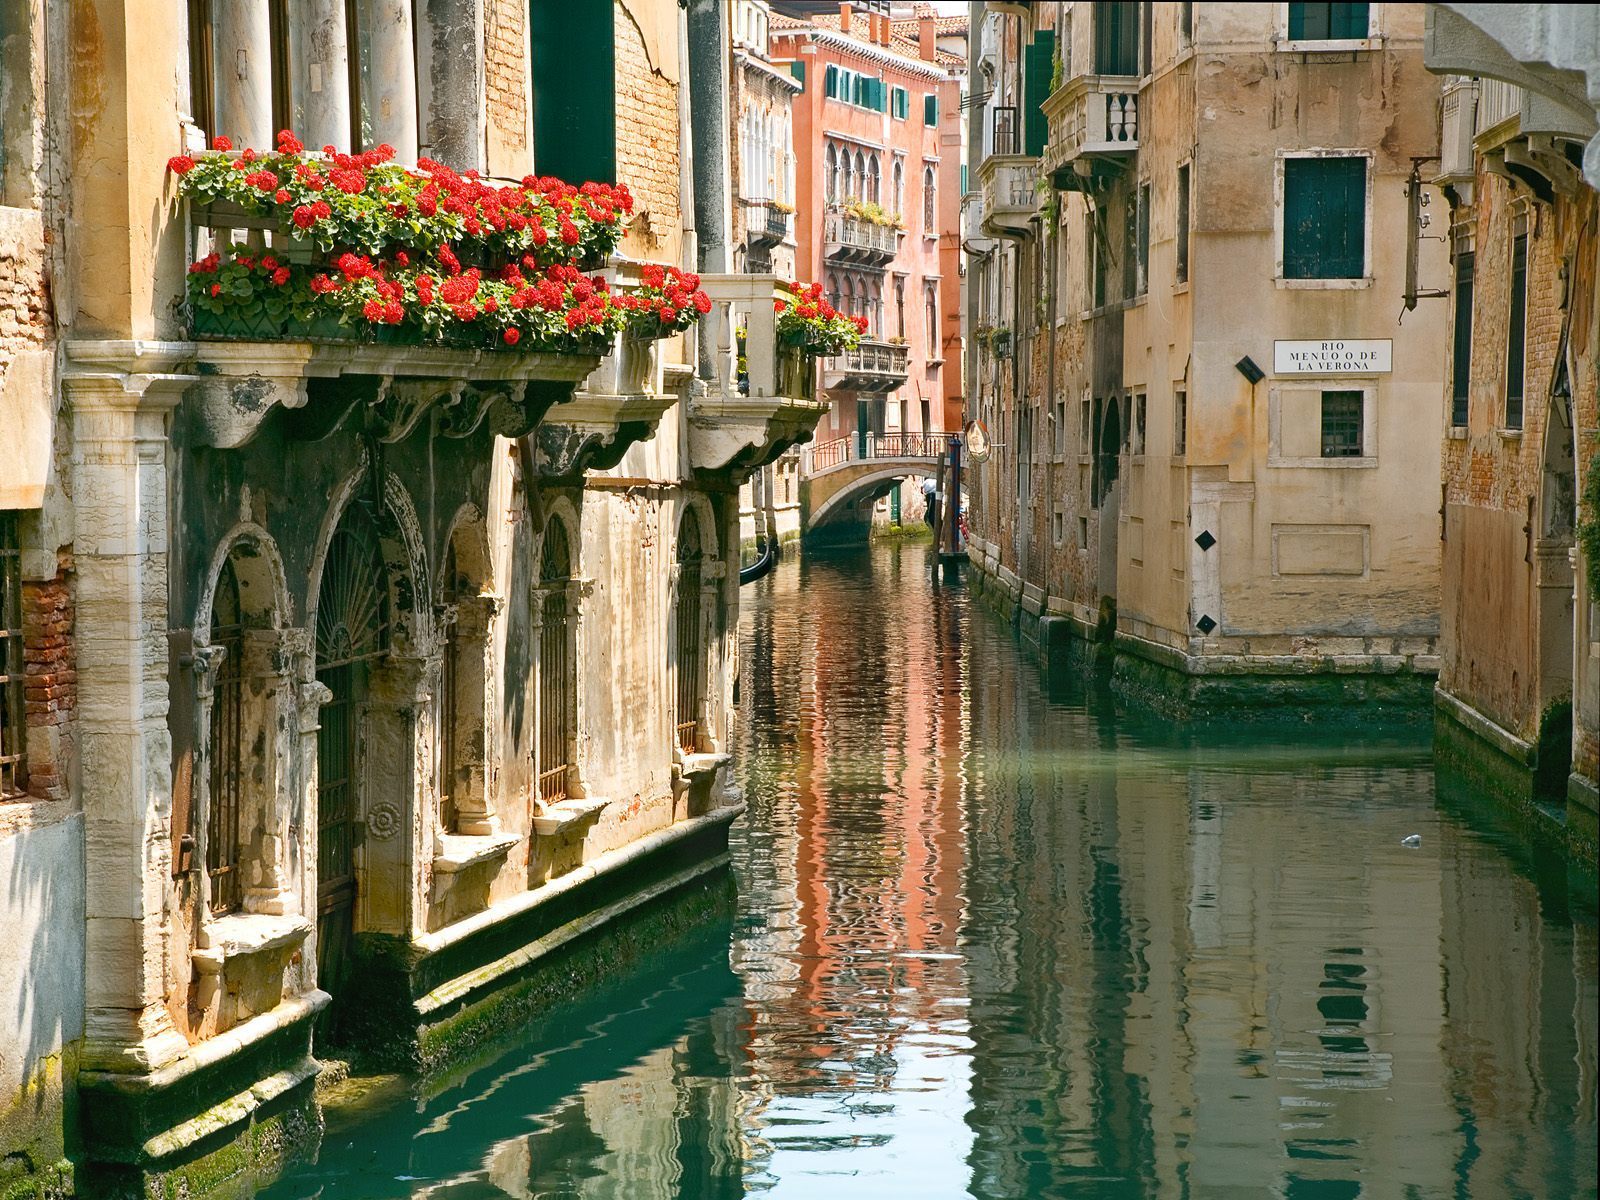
[830, 82]
[1324, 218]
[1038, 66]
[798, 70]
[930, 109]
[574, 91]
[1327, 22]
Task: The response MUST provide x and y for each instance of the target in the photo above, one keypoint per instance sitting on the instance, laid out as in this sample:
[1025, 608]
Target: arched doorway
[353, 621]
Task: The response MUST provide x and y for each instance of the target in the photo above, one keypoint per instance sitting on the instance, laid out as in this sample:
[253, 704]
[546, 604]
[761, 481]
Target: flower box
[252, 325]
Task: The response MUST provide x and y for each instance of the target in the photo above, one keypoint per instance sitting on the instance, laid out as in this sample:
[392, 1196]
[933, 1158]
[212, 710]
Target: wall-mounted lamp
[1246, 366]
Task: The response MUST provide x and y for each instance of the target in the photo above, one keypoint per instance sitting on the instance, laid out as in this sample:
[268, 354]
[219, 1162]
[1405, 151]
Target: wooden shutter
[1038, 66]
[181, 718]
[574, 91]
[1116, 44]
[1461, 349]
[1324, 218]
[1327, 22]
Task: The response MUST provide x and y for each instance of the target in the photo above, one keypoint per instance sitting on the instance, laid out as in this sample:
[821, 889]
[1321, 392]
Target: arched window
[930, 300]
[787, 135]
[930, 223]
[555, 664]
[873, 180]
[352, 636]
[835, 298]
[900, 307]
[831, 174]
[690, 664]
[899, 188]
[861, 175]
[849, 176]
[226, 749]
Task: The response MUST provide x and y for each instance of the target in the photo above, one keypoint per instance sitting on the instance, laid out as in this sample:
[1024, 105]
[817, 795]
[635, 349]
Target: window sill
[1510, 435]
[1456, 433]
[1329, 45]
[458, 851]
[1324, 463]
[239, 935]
[1323, 285]
[697, 766]
[568, 812]
[1181, 288]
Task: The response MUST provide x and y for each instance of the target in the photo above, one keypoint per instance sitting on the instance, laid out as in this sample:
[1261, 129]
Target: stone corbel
[402, 403]
[239, 385]
[519, 410]
[313, 694]
[471, 404]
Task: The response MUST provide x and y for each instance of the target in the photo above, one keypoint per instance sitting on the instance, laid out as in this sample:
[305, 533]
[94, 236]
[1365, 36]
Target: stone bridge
[836, 476]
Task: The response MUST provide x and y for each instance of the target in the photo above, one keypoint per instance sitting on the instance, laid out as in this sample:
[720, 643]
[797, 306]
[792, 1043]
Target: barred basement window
[1341, 424]
[13, 701]
[555, 664]
[690, 667]
[227, 750]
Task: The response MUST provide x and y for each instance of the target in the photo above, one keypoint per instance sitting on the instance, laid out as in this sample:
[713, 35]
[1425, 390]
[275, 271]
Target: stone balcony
[855, 240]
[765, 225]
[1009, 187]
[760, 398]
[873, 366]
[1092, 118]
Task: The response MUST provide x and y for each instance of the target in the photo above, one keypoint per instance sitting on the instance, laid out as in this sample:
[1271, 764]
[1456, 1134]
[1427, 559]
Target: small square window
[1342, 414]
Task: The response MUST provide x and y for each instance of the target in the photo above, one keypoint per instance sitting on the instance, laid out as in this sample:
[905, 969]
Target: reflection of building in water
[1204, 982]
[863, 860]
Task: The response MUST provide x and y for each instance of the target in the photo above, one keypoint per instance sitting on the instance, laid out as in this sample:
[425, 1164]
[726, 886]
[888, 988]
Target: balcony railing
[854, 239]
[1005, 130]
[765, 225]
[1009, 184]
[873, 366]
[1092, 116]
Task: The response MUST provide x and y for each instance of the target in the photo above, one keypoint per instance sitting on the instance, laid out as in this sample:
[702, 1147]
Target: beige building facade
[1212, 440]
[347, 683]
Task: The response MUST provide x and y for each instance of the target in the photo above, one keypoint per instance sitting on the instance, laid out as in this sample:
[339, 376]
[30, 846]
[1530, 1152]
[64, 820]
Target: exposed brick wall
[647, 135]
[505, 68]
[52, 678]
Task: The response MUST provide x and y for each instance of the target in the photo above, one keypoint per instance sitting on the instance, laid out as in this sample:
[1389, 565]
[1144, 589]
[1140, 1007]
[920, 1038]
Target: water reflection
[994, 940]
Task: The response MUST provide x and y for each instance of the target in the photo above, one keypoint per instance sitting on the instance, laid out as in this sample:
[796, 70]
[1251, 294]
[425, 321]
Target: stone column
[390, 75]
[243, 67]
[323, 76]
[396, 774]
[119, 485]
[309, 695]
[474, 622]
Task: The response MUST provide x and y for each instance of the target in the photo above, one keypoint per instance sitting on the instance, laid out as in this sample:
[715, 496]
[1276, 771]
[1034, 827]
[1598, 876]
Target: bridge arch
[831, 493]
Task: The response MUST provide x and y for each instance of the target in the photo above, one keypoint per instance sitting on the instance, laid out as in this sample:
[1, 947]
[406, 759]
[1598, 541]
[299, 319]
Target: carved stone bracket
[469, 407]
[401, 404]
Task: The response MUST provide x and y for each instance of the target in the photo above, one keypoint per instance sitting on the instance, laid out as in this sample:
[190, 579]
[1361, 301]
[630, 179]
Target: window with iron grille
[1517, 332]
[227, 750]
[13, 701]
[1327, 22]
[690, 655]
[1325, 217]
[1461, 343]
[1342, 414]
[555, 664]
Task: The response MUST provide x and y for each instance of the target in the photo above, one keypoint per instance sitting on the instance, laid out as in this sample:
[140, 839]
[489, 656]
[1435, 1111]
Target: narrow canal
[994, 940]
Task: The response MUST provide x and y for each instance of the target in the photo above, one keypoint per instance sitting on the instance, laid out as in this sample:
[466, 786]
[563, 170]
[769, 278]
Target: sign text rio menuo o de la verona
[1333, 358]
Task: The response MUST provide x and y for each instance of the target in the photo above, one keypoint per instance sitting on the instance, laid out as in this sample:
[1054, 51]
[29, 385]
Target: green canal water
[994, 939]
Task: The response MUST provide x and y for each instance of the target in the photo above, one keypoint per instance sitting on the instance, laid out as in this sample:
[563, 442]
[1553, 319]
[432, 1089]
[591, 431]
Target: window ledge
[1329, 45]
[1323, 285]
[1456, 432]
[240, 934]
[1323, 463]
[1181, 289]
[1510, 434]
[568, 812]
[458, 851]
[696, 766]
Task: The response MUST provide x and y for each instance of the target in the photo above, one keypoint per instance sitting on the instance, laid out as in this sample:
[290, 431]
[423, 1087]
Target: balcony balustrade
[761, 397]
[873, 366]
[1009, 187]
[850, 239]
[1091, 117]
[765, 225]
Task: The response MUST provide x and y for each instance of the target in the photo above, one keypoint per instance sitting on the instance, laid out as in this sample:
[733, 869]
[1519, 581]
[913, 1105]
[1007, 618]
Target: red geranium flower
[511, 336]
[222, 143]
[181, 165]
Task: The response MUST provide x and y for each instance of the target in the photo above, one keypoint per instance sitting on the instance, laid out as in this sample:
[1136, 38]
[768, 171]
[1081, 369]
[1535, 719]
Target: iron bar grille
[688, 629]
[352, 633]
[555, 666]
[1341, 424]
[227, 746]
[1007, 130]
[449, 677]
[13, 701]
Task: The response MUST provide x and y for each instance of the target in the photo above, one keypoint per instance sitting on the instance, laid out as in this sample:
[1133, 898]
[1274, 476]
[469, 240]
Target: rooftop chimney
[844, 16]
[925, 26]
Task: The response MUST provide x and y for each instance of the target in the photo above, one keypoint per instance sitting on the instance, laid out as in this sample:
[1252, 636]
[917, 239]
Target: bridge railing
[929, 444]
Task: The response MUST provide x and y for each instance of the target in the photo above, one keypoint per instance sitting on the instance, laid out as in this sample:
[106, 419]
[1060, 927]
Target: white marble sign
[1333, 358]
